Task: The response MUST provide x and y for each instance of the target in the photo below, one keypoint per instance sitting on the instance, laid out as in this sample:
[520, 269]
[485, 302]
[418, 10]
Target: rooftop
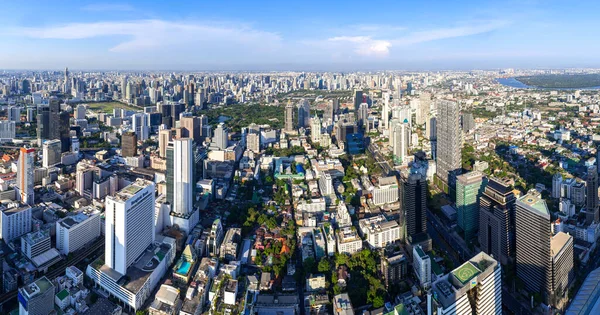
[558, 242]
[39, 286]
[534, 202]
[466, 272]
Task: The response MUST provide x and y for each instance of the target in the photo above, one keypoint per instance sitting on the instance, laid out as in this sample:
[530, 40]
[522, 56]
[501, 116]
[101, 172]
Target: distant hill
[561, 81]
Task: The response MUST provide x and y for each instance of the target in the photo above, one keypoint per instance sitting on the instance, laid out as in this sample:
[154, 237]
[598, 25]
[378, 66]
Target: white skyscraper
[221, 136]
[183, 176]
[315, 129]
[473, 288]
[51, 153]
[400, 137]
[7, 130]
[385, 113]
[129, 224]
[24, 186]
[141, 126]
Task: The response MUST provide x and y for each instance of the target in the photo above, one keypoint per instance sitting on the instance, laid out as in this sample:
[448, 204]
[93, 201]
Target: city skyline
[304, 36]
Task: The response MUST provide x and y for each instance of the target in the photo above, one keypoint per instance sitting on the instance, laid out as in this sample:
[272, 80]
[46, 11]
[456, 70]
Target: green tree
[324, 265]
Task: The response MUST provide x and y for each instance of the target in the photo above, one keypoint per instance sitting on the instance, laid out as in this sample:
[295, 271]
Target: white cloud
[108, 7]
[160, 34]
[449, 32]
[365, 45]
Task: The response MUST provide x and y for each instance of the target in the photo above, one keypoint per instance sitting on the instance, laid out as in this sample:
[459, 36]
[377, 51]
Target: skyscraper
[129, 224]
[497, 220]
[358, 99]
[473, 288]
[557, 180]
[385, 112]
[469, 189]
[181, 181]
[141, 126]
[400, 138]
[315, 129]
[220, 139]
[164, 137]
[449, 142]
[363, 114]
[289, 117]
[51, 153]
[25, 167]
[128, 144]
[544, 262]
[533, 241]
[413, 200]
[303, 114]
[192, 126]
[591, 204]
[43, 124]
[67, 82]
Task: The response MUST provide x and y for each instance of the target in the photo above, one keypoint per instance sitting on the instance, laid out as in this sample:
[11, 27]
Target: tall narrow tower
[289, 117]
[449, 142]
[25, 176]
[591, 205]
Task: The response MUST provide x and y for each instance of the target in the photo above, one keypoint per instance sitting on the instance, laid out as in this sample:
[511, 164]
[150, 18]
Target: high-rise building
[591, 204]
[51, 153]
[561, 253]
[181, 177]
[385, 112]
[544, 262]
[413, 199]
[14, 114]
[423, 108]
[8, 130]
[533, 241]
[358, 99]
[221, 137]
[129, 144]
[468, 122]
[164, 137]
[400, 138]
[43, 123]
[176, 110]
[253, 142]
[129, 224]
[449, 142]
[36, 297]
[141, 126]
[422, 266]
[473, 288]
[469, 189]
[557, 180]
[15, 221]
[497, 220]
[303, 114]
[289, 117]
[25, 168]
[192, 127]
[315, 129]
[363, 114]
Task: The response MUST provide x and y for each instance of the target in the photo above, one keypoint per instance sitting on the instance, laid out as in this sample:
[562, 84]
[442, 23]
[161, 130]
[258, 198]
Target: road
[60, 267]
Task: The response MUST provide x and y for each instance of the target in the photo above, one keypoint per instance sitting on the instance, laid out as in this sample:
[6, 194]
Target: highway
[60, 267]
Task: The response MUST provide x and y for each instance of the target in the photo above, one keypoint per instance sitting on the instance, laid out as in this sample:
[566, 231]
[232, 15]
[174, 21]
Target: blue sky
[299, 35]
